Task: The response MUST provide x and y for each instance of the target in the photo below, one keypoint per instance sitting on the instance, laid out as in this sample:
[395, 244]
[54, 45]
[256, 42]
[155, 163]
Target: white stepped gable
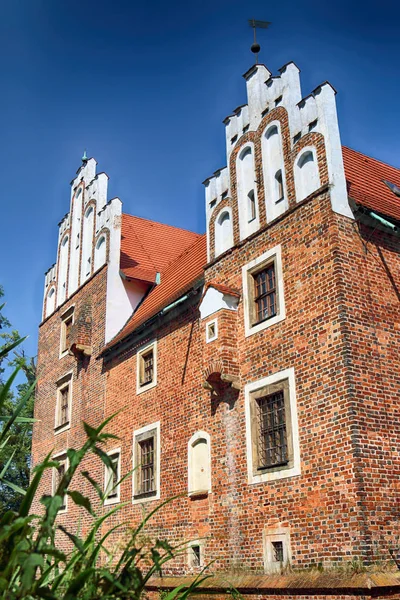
[89, 236]
[316, 112]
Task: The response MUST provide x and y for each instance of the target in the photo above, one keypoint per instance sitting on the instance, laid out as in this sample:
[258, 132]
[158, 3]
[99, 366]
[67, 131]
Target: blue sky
[144, 87]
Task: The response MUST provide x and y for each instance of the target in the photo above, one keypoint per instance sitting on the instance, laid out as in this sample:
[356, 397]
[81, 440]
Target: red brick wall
[326, 507]
[88, 388]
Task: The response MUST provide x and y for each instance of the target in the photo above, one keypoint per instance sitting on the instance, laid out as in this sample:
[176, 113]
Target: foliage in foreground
[32, 566]
[16, 452]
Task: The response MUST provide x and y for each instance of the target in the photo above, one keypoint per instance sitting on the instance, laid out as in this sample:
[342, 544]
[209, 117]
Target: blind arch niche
[276, 201]
[199, 464]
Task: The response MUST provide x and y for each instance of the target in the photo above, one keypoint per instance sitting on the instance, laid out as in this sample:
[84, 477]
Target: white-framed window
[67, 320]
[306, 173]
[146, 463]
[277, 550]
[195, 554]
[199, 464]
[272, 433]
[146, 367]
[63, 403]
[211, 330]
[112, 477]
[263, 299]
[223, 231]
[57, 475]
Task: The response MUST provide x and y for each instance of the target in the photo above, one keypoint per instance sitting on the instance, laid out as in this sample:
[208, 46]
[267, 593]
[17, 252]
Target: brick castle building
[255, 368]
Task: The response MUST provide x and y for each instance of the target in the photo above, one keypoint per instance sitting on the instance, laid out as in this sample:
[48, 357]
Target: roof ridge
[163, 224]
[372, 158]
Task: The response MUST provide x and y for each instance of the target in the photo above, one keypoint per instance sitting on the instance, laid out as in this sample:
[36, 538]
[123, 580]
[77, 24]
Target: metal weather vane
[255, 47]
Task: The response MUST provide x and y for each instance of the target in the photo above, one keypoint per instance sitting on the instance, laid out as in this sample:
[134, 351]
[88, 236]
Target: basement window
[277, 554]
[196, 555]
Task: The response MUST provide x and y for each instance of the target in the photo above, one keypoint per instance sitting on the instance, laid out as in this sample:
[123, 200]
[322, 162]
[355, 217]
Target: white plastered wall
[246, 182]
[264, 94]
[105, 221]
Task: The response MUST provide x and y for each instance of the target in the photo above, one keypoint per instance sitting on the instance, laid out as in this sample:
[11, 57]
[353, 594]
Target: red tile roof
[148, 247]
[176, 280]
[364, 176]
[222, 288]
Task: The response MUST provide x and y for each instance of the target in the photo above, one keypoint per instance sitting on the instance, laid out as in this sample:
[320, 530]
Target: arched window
[100, 253]
[199, 464]
[251, 206]
[223, 232]
[62, 270]
[306, 174]
[86, 268]
[246, 192]
[278, 186]
[50, 301]
[274, 173]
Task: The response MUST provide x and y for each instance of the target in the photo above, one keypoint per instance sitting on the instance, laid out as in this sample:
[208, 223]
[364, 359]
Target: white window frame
[107, 473]
[201, 545]
[53, 479]
[278, 534]
[274, 473]
[64, 317]
[248, 270]
[144, 388]
[215, 336]
[64, 381]
[199, 435]
[136, 497]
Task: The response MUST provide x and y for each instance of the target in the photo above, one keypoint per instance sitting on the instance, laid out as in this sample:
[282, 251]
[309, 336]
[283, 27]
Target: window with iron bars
[146, 466]
[265, 294]
[272, 434]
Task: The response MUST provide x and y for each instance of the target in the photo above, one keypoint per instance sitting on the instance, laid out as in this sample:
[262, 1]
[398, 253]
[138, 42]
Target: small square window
[312, 125]
[278, 100]
[67, 320]
[277, 554]
[147, 367]
[58, 474]
[196, 555]
[63, 403]
[211, 330]
[213, 203]
[112, 477]
[263, 291]
[146, 458]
